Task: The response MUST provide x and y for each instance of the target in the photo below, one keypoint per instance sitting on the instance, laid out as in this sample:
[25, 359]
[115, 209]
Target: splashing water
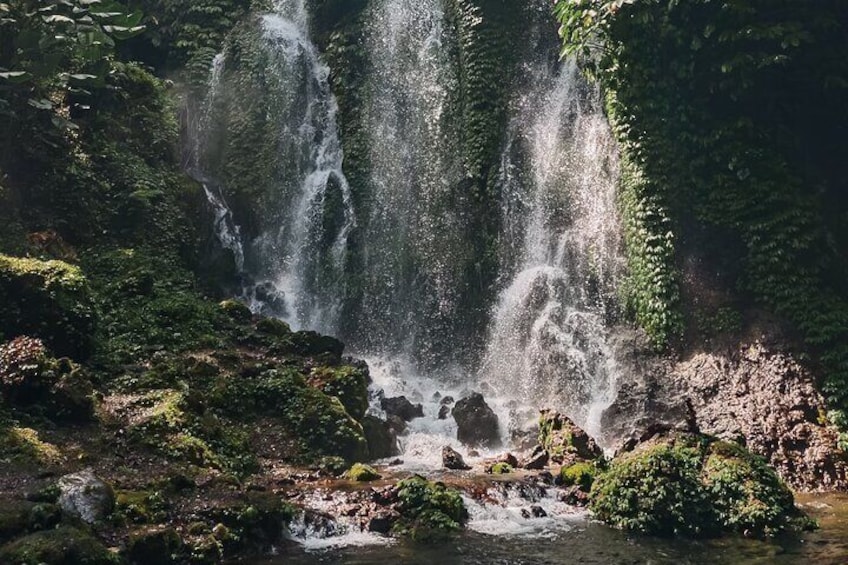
[549, 340]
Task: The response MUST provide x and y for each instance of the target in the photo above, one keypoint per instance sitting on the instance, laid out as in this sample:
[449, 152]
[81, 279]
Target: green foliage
[732, 114]
[689, 485]
[656, 490]
[749, 497]
[429, 511]
[347, 383]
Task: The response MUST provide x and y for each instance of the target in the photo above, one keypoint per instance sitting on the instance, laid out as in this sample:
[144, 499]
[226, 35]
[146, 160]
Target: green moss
[255, 521]
[429, 511]
[581, 474]
[61, 546]
[14, 518]
[155, 545]
[49, 300]
[273, 326]
[361, 473]
[25, 446]
[502, 469]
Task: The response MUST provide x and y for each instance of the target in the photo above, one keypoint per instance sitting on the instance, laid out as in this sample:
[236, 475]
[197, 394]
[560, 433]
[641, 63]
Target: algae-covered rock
[63, 546]
[502, 468]
[86, 496]
[273, 326]
[361, 473]
[49, 300]
[429, 511]
[692, 485]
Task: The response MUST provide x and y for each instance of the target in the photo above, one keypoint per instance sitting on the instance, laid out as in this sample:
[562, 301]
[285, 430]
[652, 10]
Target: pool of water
[584, 542]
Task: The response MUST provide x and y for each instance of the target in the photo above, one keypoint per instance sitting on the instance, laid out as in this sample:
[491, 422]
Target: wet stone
[451, 459]
[402, 408]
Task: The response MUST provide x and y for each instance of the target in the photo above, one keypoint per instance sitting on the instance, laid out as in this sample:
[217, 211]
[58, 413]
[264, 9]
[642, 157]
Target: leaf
[40, 104]
[15, 77]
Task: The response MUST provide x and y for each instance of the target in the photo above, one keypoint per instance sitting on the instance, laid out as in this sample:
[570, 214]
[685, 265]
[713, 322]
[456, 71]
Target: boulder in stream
[477, 423]
[401, 407]
[451, 459]
[563, 439]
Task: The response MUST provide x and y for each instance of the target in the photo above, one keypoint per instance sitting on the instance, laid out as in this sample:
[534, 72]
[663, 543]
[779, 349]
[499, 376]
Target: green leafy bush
[429, 511]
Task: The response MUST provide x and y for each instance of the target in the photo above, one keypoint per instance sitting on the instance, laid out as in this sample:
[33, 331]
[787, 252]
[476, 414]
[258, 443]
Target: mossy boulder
[273, 326]
[14, 518]
[563, 439]
[347, 383]
[694, 486]
[319, 422]
[747, 494]
[580, 474]
[47, 299]
[429, 511]
[254, 522]
[236, 310]
[502, 468]
[160, 545]
[362, 473]
[63, 546]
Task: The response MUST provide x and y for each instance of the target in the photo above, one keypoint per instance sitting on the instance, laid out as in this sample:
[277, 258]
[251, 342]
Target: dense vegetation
[731, 116]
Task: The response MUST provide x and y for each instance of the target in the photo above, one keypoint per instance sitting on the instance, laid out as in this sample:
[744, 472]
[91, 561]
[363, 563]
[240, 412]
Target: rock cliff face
[754, 394]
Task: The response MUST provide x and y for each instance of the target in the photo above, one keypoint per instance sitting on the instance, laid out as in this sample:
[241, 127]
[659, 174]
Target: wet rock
[476, 421]
[573, 496]
[86, 496]
[536, 461]
[382, 521]
[396, 424]
[395, 462]
[447, 401]
[444, 412]
[402, 408]
[560, 437]
[381, 438]
[451, 459]
[534, 511]
[63, 545]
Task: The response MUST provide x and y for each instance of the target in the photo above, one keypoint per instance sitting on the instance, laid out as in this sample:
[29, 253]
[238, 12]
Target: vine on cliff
[734, 112]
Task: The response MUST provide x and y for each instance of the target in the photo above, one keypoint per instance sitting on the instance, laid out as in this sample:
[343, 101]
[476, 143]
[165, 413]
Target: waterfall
[412, 239]
[297, 258]
[549, 340]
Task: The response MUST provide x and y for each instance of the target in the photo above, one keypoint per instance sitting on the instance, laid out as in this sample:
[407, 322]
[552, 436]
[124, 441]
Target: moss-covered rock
[273, 326]
[63, 546]
[253, 522]
[362, 473]
[14, 518]
[47, 299]
[691, 485]
[429, 511]
[236, 310]
[155, 545]
[25, 446]
[319, 422]
[561, 438]
[347, 383]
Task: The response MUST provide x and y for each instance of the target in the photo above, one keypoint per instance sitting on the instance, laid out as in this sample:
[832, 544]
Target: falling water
[296, 264]
[412, 239]
[549, 340]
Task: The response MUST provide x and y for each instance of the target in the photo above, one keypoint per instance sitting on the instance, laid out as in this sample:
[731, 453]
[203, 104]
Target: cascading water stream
[296, 262]
[412, 235]
[549, 340]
